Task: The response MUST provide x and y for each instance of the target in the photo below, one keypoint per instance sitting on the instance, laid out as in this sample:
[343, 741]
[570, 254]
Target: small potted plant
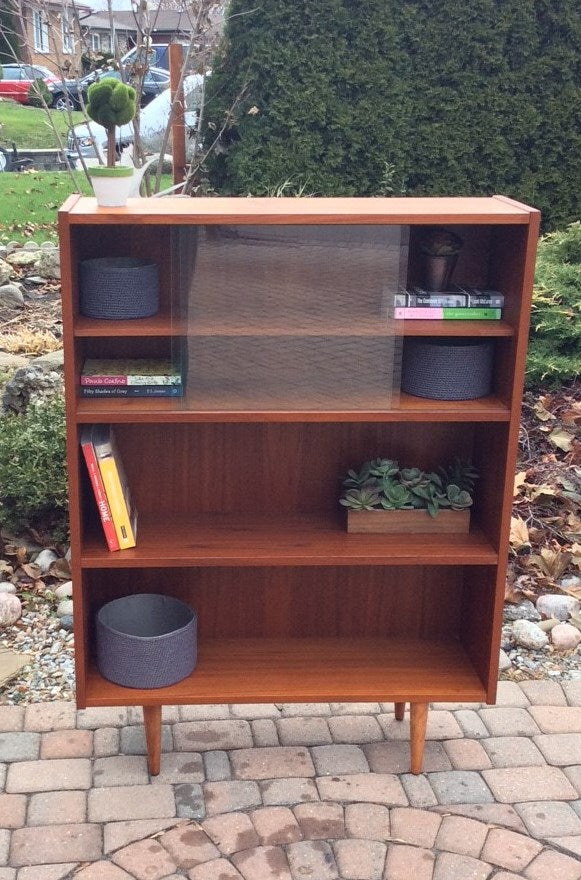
[111, 103]
[381, 497]
[440, 249]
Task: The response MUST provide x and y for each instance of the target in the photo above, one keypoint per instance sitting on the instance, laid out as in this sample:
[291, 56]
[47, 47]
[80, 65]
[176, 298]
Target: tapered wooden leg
[418, 722]
[399, 711]
[152, 721]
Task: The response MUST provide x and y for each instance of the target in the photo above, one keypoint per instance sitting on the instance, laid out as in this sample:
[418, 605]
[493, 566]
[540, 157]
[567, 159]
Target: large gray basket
[146, 640]
[447, 368]
[118, 287]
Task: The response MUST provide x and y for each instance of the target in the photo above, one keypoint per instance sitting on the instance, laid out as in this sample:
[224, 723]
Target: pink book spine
[100, 495]
[103, 380]
[428, 314]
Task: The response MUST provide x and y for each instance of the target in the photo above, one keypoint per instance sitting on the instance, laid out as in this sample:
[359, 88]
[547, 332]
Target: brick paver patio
[288, 792]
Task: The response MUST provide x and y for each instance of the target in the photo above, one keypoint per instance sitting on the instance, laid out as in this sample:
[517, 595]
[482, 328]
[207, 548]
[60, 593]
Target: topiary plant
[111, 103]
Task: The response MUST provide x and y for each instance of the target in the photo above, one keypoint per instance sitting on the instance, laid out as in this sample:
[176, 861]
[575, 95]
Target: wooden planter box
[386, 522]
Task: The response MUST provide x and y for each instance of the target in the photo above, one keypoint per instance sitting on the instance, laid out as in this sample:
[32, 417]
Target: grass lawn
[28, 127]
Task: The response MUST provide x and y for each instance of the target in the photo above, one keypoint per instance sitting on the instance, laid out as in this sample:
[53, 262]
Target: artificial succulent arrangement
[381, 484]
[439, 242]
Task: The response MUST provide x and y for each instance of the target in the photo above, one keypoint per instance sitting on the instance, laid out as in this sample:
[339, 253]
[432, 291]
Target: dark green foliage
[8, 40]
[38, 94]
[33, 488]
[111, 103]
[555, 339]
[426, 96]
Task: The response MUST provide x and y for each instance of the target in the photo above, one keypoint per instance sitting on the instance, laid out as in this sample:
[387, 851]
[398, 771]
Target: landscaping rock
[64, 591]
[53, 360]
[45, 559]
[10, 609]
[529, 635]
[65, 608]
[48, 263]
[10, 361]
[30, 384]
[5, 271]
[11, 296]
[21, 259]
[7, 587]
[66, 622]
[561, 607]
[569, 581]
[504, 662]
[30, 246]
[565, 637]
[525, 610]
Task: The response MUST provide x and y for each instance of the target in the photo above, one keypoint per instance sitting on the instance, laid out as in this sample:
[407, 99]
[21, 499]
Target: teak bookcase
[281, 306]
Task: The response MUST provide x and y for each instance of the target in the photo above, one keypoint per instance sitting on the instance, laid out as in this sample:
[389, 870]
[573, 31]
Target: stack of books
[131, 377]
[457, 304]
[107, 475]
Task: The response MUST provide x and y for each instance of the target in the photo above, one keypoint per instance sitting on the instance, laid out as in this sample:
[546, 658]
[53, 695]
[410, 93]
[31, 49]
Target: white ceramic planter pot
[112, 186]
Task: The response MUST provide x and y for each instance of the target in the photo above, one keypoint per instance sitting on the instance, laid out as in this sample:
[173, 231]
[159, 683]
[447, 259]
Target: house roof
[160, 20]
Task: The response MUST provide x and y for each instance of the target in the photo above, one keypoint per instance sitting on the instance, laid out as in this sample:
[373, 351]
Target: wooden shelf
[307, 670]
[287, 407]
[157, 325]
[250, 540]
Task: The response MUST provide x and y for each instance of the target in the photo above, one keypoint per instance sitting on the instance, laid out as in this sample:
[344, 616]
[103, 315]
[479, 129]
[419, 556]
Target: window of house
[68, 34]
[96, 42]
[40, 31]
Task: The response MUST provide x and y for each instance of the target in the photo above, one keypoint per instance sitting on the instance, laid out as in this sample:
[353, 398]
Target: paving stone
[356, 709]
[461, 835]
[145, 860]
[120, 770]
[471, 723]
[557, 719]
[441, 725]
[548, 818]
[45, 845]
[404, 862]
[275, 826]
[219, 869]
[418, 790]
[569, 844]
[4, 845]
[512, 751]
[133, 740]
[312, 858]
[189, 845]
[467, 754]
[507, 875]
[207, 736]
[303, 731]
[368, 821]
[418, 827]
[58, 808]
[228, 797]
[264, 733]
[19, 747]
[126, 802]
[180, 767]
[572, 690]
[290, 709]
[216, 712]
[3, 770]
[263, 863]
[378, 788]
[456, 707]
[7, 873]
[573, 774]
[169, 715]
[355, 729]
[12, 810]
[450, 866]
[510, 694]
[272, 763]
[394, 757]
[320, 821]
[105, 742]
[216, 766]
[231, 832]
[336, 759]
[190, 801]
[492, 814]
[53, 775]
[544, 693]
[67, 744]
[255, 710]
[110, 716]
[11, 719]
[560, 749]
[43, 717]
[509, 722]
[509, 850]
[518, 784]
[576, 806]
[460, 787]
[288, 791]
[102, 871]
[554, 865]
[46, 872]
[360, 859]
[119, 834]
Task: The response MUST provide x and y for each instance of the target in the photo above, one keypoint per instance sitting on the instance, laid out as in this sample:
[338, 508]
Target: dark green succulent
[459, 499]
[413, 477]
[460, 473]
[383, 467]
[356, 479]
[394, 496]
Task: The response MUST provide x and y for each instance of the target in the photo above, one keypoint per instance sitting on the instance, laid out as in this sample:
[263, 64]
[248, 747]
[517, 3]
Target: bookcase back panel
[473, 265]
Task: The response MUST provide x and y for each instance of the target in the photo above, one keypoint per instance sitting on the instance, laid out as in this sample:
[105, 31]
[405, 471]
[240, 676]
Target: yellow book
[123, 512]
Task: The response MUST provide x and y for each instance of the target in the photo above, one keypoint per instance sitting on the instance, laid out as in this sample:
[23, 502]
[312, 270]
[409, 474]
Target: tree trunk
[111, 147]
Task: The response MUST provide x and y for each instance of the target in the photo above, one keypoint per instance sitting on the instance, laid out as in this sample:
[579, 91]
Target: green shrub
[33, 487]
[38, 94]
[555, 339]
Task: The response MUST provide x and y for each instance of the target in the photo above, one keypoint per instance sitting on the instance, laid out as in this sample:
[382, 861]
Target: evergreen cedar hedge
[430, 97]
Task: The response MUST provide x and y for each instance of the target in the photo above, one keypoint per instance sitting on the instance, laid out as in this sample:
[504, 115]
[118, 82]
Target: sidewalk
[295, 792]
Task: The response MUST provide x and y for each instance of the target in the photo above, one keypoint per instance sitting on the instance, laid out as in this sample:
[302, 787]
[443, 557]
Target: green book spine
[471, 314]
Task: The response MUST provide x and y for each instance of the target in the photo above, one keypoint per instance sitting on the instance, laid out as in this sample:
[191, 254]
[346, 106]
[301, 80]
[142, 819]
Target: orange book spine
[99, 493]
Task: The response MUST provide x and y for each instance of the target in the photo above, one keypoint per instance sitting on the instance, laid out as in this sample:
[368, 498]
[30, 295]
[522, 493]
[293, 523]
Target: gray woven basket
[118, 287]
[146, 640]
[447, 368]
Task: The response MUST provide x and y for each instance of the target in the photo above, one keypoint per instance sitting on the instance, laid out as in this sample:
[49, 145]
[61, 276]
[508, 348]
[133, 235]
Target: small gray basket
[447, 368]
[114, 288]
[146, 640]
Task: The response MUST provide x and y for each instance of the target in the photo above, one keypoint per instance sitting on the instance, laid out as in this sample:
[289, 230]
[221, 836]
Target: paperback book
[98, 488]
[457, 297]
[123, 512]
[132, 391]
[102, 372]
[431, 313]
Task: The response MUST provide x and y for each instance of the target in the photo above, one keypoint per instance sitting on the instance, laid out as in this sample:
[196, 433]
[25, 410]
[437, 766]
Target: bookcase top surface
[176, 210]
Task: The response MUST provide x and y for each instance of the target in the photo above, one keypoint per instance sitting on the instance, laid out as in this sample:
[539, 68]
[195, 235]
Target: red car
[17, 79]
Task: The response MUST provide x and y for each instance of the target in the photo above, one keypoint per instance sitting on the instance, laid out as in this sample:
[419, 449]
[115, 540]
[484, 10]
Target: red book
[98, 488]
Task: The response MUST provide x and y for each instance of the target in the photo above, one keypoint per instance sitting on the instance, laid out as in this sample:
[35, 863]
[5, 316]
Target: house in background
[48, 33]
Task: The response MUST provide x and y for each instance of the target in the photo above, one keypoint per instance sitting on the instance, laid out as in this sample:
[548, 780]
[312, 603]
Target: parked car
[157, 55]
[17, 79]
[83, 138]
[155, 82]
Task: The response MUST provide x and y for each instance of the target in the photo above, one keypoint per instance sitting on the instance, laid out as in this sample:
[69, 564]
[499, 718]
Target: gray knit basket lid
[115, 288]
[447, 368]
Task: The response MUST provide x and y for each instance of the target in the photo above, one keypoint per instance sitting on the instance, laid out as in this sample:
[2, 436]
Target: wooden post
[399, 711]
[178, 128]
[152, 723]
[418, 722]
